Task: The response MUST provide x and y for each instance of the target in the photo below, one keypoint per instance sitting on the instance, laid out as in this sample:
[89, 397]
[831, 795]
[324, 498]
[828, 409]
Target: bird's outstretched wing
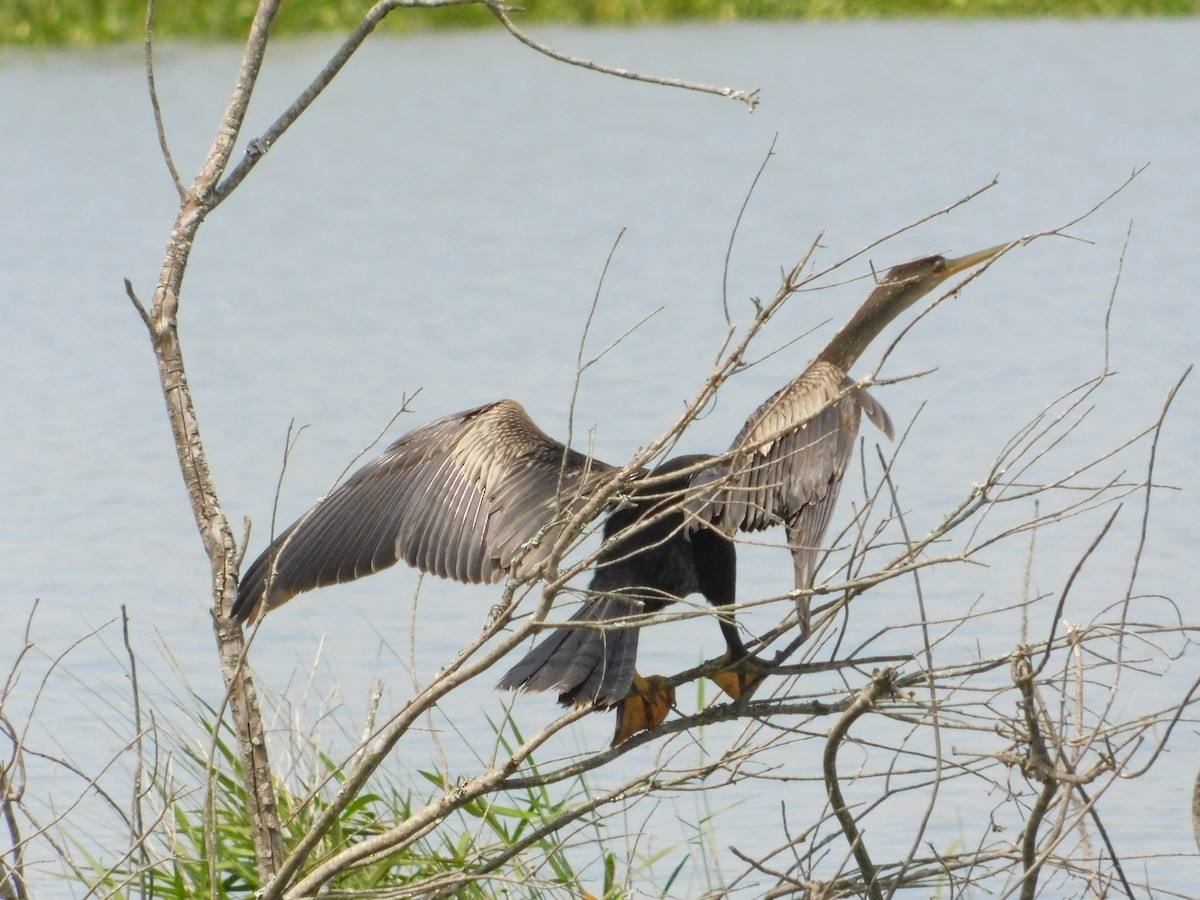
[456, 498]
[789, 459]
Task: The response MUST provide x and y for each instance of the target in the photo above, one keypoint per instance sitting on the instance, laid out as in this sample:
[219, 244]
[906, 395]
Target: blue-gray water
[439, 221]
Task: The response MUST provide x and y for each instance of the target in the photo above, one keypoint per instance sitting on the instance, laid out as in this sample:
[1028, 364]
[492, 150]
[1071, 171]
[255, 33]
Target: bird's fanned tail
[585, 665]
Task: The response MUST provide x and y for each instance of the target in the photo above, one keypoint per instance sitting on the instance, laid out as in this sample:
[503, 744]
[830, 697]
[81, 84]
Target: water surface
[439, 221]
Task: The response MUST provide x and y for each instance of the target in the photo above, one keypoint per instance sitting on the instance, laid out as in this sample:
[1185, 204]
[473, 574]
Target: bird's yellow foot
[646, 705]
[740, 677]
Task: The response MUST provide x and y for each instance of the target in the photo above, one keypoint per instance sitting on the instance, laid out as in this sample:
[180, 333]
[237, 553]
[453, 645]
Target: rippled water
[439, 221]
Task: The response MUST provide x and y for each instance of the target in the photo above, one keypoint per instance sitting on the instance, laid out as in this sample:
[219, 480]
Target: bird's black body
[651, 557]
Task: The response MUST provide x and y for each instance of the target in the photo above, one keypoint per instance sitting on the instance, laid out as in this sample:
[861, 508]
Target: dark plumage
[651, 556]
[461, 497]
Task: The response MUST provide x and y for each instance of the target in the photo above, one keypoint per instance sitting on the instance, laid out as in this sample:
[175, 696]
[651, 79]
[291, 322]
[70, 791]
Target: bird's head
[900, 288]
[918, 277]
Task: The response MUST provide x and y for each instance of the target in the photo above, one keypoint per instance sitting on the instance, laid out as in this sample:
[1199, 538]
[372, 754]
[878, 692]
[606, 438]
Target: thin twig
[737, 222]
[154, 105]
[137, 832]
[750, 98]
[931, 685]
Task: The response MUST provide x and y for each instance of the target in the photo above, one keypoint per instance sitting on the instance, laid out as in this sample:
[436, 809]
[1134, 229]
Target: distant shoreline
[86, 22]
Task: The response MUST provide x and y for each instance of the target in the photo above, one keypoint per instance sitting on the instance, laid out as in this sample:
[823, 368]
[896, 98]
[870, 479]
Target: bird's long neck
[885, 303]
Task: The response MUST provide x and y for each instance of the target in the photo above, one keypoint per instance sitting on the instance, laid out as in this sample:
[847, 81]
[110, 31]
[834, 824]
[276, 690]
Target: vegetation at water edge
[82, 22]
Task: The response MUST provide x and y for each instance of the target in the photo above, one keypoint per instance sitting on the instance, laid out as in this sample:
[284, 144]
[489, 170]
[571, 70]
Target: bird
[483, 494]
[790, 456]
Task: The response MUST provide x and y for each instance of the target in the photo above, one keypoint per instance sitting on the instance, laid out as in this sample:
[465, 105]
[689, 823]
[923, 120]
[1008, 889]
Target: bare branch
[737, 222]
[500, 10]
[881, 686]
[154, 105]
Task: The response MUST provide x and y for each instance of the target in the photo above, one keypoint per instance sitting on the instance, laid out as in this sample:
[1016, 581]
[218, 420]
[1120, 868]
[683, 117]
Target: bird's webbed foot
[741, 675]
[645, 706]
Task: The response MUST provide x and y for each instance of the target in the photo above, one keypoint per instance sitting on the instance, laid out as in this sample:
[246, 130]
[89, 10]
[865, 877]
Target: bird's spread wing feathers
[461, 496]
[789, 459]
[456, 498]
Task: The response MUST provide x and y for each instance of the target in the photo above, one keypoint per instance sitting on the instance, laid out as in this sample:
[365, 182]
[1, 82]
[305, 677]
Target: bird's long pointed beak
[962, 263]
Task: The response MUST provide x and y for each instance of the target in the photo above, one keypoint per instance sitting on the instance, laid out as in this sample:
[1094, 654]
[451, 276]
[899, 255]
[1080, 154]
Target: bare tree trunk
[215, 532]
[219, 544]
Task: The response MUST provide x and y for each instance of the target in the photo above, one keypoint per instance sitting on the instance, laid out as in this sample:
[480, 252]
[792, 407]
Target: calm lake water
[439, 222]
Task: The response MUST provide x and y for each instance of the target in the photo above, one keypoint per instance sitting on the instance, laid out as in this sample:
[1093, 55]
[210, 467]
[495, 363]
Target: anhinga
[463, 496]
